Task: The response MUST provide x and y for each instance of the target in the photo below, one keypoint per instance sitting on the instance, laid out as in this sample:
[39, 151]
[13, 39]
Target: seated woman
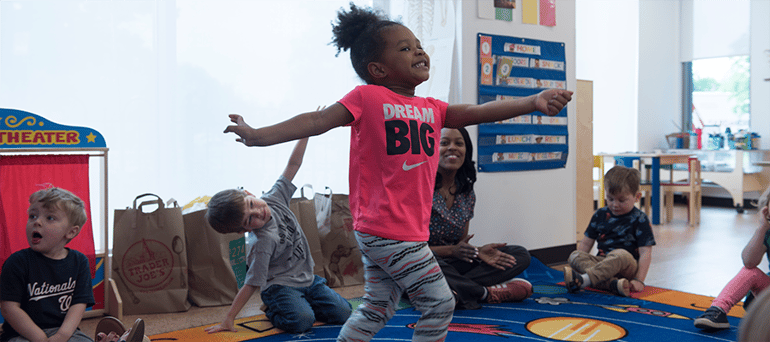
[475, 274]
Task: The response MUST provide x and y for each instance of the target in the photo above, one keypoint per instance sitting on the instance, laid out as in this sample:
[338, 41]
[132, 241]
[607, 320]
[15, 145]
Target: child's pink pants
[747, 279]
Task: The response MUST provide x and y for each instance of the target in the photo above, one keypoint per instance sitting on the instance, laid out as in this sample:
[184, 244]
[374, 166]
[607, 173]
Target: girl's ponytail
[358, 30]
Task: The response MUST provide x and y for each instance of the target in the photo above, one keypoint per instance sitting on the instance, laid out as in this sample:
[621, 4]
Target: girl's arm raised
[550, 102]
[301, 126]
[755, 249]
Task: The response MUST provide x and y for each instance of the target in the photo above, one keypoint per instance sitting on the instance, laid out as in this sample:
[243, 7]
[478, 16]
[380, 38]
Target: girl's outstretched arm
[301, 126]
[550, 102]
[755, 249]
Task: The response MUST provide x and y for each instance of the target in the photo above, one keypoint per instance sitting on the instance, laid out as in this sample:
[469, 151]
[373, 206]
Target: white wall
[607, 53]
[535, 209]
[660, 74]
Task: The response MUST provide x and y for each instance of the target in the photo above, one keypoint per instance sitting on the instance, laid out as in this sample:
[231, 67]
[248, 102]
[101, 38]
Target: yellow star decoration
[91, 137]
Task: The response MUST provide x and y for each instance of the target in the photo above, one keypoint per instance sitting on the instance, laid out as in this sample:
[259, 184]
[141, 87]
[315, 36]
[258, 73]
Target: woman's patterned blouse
[447, 224]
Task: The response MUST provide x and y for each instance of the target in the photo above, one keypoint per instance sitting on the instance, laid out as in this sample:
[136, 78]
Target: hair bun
[351, 24]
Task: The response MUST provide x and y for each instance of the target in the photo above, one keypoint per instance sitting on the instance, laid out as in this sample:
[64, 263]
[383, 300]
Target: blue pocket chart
[512, 67]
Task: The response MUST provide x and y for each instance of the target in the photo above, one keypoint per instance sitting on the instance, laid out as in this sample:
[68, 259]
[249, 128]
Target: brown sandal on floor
[109, 324]
[136, 334]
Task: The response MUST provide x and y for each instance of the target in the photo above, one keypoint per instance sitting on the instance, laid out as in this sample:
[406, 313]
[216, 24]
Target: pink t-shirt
[394, 143]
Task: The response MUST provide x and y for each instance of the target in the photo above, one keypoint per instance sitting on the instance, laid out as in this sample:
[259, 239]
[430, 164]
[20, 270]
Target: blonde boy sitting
[624, 241]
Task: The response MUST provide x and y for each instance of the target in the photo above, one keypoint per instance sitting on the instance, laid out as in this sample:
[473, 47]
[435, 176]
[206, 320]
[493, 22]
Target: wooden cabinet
[584, 156]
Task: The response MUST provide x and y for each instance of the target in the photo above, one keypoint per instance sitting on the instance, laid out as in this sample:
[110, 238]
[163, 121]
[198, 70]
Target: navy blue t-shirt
[629, 231]
[45, 288]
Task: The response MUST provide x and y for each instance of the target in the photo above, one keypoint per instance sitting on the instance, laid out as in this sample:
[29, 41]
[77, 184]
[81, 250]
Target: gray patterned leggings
[392, 268]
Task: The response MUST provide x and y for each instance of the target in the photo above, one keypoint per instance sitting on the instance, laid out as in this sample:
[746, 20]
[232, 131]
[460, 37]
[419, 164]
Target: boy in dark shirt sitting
[624, 239]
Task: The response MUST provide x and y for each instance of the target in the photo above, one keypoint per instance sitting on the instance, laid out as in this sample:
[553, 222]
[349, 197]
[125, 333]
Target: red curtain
[20, 176]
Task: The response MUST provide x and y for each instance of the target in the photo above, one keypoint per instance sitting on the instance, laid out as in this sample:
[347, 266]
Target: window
[716, 72]
[719, 97]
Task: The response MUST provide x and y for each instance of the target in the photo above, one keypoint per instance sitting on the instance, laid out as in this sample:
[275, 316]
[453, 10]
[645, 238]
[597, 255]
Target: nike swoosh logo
[409, 167]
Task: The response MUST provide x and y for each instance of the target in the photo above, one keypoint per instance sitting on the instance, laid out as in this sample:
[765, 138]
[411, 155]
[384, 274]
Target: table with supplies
[655, 160]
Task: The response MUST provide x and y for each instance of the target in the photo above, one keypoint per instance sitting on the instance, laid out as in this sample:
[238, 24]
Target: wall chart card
[512, 68]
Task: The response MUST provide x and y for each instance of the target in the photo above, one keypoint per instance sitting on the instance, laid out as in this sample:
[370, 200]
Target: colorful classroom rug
[550, 314]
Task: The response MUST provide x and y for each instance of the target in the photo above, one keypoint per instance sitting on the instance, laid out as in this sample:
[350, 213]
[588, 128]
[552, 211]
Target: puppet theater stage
[36, 153]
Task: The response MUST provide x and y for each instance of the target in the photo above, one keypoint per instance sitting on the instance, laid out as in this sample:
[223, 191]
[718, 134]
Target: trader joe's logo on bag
[147, 263]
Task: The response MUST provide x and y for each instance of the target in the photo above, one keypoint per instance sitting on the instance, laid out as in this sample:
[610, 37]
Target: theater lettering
[27, 137]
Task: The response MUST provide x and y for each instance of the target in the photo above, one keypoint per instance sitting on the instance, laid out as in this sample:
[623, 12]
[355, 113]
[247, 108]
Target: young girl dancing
[393, 162]
[749, 278]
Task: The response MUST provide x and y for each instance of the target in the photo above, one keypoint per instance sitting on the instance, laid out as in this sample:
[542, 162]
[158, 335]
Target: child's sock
[586, 281]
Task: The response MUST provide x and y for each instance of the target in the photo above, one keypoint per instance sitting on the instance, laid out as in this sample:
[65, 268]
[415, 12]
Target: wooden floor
[700, 259]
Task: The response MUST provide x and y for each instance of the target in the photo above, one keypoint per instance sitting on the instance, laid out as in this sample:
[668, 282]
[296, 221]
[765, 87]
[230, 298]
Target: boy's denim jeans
[295, 309]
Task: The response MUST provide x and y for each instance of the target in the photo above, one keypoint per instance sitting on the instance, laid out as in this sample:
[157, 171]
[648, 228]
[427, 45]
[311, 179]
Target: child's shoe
[136, 333]
[573, 281]
[111, 325]
[107, 325]
[620, 287]
[515, 290]
[713, 318]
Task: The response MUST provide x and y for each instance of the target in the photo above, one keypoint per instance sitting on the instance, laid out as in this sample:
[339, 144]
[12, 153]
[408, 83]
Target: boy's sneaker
[573, 281]
[620, 287]
[515, 290]
[713, 318]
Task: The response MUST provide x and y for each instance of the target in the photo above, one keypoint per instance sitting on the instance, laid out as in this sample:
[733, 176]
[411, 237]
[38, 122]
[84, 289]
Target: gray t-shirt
[279, 252]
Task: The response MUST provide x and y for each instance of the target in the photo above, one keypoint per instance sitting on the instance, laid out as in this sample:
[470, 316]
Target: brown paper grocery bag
[304, 210]
[342, 258]
[214, 261]
[150, 258]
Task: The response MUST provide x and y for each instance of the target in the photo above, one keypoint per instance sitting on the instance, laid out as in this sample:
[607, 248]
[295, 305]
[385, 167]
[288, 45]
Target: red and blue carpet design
[551, 314]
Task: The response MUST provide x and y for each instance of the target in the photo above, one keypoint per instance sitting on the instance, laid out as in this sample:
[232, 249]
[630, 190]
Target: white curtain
[158, 77]
[715, 28]
[433, 23]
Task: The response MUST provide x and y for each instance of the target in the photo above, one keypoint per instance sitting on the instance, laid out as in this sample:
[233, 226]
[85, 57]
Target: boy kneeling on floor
[279, 256]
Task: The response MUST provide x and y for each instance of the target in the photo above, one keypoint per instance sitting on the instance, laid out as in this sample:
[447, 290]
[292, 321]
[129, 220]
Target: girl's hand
[465, 251]
[552, 101]
[764, 218]
[226, 325]
[636, 286]
[491, 255]
[243, 130]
